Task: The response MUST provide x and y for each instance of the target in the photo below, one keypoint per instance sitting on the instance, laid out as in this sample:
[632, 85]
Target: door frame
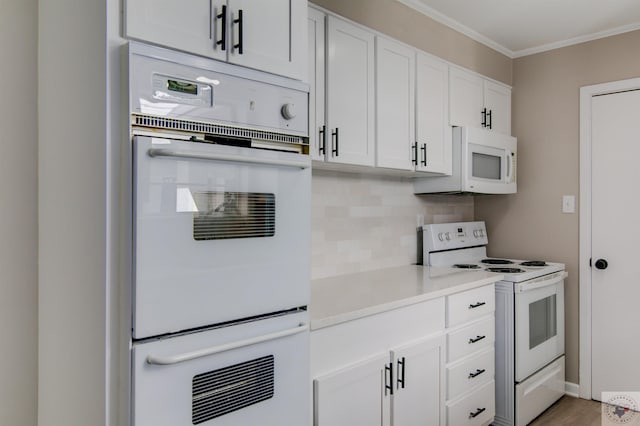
[586, 94]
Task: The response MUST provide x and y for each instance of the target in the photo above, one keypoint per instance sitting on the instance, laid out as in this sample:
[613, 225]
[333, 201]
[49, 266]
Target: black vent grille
[224, 215]
[232, 388]
[154, 122]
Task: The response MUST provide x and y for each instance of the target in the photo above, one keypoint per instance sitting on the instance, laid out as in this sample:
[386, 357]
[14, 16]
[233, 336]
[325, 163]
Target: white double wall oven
[221, 187]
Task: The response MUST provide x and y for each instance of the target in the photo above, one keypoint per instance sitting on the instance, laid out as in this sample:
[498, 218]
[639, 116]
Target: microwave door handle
[162, 152]
[189, 356]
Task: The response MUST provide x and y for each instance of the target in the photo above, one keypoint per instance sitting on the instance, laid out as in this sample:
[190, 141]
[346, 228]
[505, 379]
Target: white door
[317, 126]
[350, 94]
[418, 384]
[395, 106]
[269, 35]
[466, 100]
[192, 26]
[433, 133]
[497, 100]
[615, 348]
[355, 395]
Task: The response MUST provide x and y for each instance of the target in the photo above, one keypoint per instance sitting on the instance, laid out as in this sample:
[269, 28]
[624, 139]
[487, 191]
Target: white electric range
[529, 313]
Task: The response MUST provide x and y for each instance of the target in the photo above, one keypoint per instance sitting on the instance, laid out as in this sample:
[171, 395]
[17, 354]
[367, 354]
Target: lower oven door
[256, 373]
[539, 391]
[539, 311]
[220, 233]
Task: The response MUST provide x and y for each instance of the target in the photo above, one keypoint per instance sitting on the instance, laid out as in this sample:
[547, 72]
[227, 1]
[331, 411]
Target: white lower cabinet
[409, 366]
[470, 369]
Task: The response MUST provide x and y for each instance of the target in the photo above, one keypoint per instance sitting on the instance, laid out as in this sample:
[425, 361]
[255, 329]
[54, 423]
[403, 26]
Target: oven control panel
[447, 236]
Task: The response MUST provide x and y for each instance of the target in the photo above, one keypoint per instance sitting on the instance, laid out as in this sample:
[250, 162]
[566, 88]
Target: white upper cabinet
[478, 102]
[395, 105]
[433, 133]
[317, 123]
[270, 36]
[497, 100]
[349, 94]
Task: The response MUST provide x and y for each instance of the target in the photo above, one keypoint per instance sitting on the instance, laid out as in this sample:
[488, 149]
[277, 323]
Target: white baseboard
[572, 389]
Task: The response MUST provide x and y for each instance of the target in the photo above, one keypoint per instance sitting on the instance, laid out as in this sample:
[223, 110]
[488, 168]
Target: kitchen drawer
[474, 410]
[469, 305]
[474, 337]
[463, 376]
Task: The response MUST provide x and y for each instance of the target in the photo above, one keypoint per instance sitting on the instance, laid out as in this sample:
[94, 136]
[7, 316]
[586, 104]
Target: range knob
[441, 236]
[447, 235]
[476, 233]
[288, 111]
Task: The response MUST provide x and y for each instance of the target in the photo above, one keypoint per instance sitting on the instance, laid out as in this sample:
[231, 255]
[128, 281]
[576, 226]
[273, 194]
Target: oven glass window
[542, 321]
[225, 215]
[486, 166]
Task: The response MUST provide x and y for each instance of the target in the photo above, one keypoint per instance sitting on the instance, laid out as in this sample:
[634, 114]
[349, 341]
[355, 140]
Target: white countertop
[347, 297]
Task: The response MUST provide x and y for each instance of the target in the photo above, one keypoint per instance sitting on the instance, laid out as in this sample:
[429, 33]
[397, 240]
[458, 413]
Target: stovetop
[514, 270]
[463, 246]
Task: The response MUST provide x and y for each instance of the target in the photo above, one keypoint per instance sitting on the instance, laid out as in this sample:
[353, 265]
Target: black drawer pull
[334, 150]
[223, 17]
[477, 413]
[484, 117]
[323, 139]
[477, 339]
[477, 305]
[414, 158]
[477, 373]
[424, 154]
[240, 23]
[388, 386]
[401, 362]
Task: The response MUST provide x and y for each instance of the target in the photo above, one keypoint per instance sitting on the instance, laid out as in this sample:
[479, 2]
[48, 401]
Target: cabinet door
[466, 98]
[190, 25]
[418, 398]
[497, 100]
[317, 128]
[350, 93]
[395, 105]
[433, 133]
[354, 395]
[270, 36]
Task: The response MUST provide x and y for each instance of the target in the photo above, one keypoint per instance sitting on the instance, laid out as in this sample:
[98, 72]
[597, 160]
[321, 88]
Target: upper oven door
[220, 233]
[539, 306]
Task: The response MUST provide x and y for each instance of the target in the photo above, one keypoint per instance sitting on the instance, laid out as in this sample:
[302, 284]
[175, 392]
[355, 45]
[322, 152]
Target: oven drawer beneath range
[256, 373]
[539, 391]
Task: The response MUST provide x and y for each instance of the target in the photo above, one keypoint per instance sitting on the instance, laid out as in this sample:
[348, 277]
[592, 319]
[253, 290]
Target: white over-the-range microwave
[484, 162]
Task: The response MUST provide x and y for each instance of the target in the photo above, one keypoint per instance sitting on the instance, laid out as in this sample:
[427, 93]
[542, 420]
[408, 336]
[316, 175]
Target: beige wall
[405, 24]
[18, 213]
[546, 92]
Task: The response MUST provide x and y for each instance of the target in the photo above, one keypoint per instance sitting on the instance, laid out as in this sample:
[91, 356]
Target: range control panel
[447, 236]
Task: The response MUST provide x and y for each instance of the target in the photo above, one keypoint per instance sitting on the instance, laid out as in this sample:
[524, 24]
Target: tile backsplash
[361, 222]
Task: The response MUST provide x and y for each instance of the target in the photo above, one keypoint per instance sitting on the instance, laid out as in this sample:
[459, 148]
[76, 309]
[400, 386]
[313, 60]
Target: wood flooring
[569, 411]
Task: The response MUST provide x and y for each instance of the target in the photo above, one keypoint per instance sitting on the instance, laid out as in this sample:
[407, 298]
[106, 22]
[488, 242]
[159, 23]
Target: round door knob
[288, 111]
[601, 264]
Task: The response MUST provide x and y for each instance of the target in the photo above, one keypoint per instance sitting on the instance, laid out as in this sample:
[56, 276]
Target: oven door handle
[161, 152]
[189, 356]
[540, 283]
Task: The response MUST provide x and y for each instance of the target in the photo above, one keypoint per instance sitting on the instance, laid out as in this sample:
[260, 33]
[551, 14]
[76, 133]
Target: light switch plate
[568, 204]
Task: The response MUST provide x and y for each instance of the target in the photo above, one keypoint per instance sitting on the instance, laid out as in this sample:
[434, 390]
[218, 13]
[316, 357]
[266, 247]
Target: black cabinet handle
[414, 158]
[401, 362]
[602, 264]
[240, 34]
[484, 117]
[388, 386]
[477, 339]
[423, 148]
[477, 305]
[322, 135]
[477, 413]
[223, 18]
[490, 119]
[334, 150]
[477, 373]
